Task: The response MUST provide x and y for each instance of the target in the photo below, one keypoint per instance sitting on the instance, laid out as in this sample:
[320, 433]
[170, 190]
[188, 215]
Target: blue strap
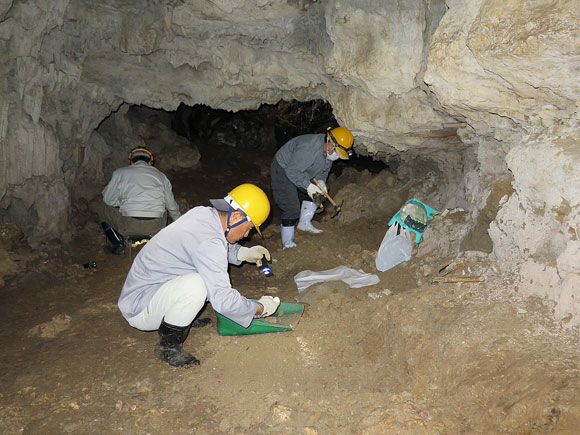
[229, 227]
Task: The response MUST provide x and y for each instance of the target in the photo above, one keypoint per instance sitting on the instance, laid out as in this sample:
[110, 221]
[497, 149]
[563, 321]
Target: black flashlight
[265, 267]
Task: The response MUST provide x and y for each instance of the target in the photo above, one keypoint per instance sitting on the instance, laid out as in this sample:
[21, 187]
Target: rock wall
[482, 88]
[70, 63]
[512, 74]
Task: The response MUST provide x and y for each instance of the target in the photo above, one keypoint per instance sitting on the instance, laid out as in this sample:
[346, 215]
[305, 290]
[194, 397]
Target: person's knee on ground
[307, 212]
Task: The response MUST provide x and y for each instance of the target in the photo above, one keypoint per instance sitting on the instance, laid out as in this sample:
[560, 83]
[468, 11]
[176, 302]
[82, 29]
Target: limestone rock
[75, 64]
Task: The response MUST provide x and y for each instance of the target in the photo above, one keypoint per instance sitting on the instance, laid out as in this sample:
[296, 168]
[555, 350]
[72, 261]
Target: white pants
[177, 302]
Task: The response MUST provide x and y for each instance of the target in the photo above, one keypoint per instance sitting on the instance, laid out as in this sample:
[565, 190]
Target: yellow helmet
[141, 153]
[253, 202]
[342, 139]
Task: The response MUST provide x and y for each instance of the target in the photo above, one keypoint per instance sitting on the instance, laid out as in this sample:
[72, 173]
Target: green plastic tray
[226, 326]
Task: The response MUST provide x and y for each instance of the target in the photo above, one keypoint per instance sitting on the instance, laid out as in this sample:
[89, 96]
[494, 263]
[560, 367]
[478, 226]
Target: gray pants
[285, 194]
[129, 226]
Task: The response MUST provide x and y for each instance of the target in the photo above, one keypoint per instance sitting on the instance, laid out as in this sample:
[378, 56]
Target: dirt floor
[402, 356]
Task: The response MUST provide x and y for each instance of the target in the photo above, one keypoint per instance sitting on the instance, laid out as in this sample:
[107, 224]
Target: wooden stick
[440, 279]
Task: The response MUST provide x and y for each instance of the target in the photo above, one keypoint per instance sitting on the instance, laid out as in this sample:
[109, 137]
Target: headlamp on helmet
[140, 153]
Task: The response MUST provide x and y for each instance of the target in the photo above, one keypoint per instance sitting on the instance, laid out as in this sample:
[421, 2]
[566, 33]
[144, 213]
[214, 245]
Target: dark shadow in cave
[265, 129]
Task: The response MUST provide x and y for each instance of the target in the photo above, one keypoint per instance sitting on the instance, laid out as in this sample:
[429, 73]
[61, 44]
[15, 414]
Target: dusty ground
[402, 356]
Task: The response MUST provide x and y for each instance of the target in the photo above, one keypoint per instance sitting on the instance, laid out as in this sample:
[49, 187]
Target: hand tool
[451, 267]
[337, 208]
[449, 279]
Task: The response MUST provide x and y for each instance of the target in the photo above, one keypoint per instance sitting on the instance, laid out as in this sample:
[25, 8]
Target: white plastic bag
[354, 278]
[395, 248]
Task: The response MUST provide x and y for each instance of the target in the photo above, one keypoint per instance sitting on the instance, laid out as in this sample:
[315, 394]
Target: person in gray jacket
[295, 165]
[187, 263]
[136, 197]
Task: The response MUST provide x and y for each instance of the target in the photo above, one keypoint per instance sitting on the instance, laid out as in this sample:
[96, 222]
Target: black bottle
[112, 234]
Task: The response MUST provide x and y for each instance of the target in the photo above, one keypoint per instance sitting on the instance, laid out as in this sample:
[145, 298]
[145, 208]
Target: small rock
[282, 413]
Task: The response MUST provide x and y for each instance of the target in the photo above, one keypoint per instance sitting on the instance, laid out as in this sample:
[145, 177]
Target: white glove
[253, 254]
[270, 305]
[312, 190]
[322, 186]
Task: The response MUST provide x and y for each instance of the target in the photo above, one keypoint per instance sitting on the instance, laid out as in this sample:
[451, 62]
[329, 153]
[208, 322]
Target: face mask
[332, 157]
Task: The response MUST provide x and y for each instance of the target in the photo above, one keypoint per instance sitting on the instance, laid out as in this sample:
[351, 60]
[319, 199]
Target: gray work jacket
[194, 243]
[302, 159]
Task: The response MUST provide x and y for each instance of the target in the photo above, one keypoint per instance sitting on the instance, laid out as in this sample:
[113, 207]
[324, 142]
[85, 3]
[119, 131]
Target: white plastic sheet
[354, 278]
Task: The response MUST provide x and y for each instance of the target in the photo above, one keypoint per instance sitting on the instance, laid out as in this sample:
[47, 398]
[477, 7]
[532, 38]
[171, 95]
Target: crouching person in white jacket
[186, 264]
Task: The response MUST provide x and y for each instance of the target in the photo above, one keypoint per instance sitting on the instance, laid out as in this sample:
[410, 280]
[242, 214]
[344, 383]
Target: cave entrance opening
[232, 147]
[262, 130]
[266, 128]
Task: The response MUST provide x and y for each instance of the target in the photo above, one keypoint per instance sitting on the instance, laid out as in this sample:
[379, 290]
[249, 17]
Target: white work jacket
[141, 190]
[194, 243]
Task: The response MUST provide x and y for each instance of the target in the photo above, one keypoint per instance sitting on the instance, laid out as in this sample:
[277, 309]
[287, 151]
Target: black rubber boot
[116, 238]
[169, 348]
[200, 323]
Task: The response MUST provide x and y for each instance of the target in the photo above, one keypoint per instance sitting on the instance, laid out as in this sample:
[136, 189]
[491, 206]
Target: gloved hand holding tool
[318, 198]
[269, 305]
[337, 208]
[316, 193]
[321, 184]
[254, 254]
[313, 189]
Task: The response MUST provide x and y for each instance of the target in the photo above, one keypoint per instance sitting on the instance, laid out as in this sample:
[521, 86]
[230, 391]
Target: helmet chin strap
[229, 227]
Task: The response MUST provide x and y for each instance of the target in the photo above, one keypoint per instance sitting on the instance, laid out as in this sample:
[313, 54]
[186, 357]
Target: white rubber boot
[288, 237]
[306, 214]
